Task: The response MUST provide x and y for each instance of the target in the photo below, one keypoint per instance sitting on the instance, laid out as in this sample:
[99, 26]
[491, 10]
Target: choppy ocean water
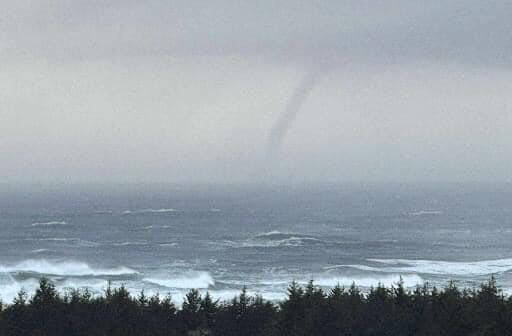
[168, 239]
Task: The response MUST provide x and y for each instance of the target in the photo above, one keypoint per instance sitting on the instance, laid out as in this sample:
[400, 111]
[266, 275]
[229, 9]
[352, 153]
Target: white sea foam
[276, 239]
[40, 250]
[228, 294]
[278, 235]
[130, 243]
[9, 288]
[75, 241]
[63, 268]
[86, 243]
[191, 280]
[50, 239]
[287, 242]
[143, 211]
[295, 241]
[409, 280]
[484, 267]
[274, 282]
[273, 235]
[168, 244]
[53, 223]
[178, 295]
[95, 285]
[165, 227]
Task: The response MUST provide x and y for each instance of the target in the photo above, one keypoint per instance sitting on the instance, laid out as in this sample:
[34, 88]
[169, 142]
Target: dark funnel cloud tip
[286, 119]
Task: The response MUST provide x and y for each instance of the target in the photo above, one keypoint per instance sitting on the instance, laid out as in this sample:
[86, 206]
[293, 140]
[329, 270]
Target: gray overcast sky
[190, 91]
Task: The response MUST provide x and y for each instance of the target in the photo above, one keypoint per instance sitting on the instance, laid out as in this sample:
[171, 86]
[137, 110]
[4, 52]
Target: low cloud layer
[170, 91]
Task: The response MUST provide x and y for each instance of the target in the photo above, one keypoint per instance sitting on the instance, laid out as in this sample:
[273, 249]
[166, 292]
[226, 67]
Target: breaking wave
[130, 243]
[63, 268]
[410, 280]
[95, 285]
[192, 280]
[229, 294]
[76, 241]
[475, 268]
[279, 239]
[278, 235]
[171, 244]
[40, 250]
[9, 288]
[143, 211]
[54, 223]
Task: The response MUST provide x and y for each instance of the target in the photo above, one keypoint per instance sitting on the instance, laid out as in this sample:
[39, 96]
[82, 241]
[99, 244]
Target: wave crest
[53, 223]
[63, 268]
[278, 235]
[484, 267]
[131, 243]
[410, 280]
[143, 211]
[280, 239]
[184, 281]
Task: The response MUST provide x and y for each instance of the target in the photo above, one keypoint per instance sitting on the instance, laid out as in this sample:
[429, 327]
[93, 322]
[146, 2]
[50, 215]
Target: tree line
[307, 310]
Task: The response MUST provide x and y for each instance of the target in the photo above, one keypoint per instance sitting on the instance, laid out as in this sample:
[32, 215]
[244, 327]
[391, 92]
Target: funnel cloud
[286, 119]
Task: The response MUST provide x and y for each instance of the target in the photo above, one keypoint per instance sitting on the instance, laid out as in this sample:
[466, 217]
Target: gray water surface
[165, 238]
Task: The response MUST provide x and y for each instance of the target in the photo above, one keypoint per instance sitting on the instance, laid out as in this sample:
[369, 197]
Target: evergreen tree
[189, 315]
[208, 309]
[306, 311]
[292, 312]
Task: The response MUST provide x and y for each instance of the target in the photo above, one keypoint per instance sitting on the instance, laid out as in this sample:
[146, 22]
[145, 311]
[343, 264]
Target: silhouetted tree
[306, 311]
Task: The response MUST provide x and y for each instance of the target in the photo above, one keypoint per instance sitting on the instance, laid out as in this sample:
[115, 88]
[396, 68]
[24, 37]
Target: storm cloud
[184, 91]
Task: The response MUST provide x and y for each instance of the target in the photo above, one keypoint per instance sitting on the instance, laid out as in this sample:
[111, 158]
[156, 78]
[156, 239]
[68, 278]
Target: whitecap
[95, 285]
[277, 239]
[76, 241]
[189, 280]
[102, 212]
[143, 211]
[229, 294]
[484, 267]
[63, 268]
[53, 223]
[288, 242]
[129, 243]
[276, 235]
[50, 239]
[168, 244]
[9, 288]
[409, 280]
[40, 250]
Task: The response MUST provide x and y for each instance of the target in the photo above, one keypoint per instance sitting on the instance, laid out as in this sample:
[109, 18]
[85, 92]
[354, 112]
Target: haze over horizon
[189, 92]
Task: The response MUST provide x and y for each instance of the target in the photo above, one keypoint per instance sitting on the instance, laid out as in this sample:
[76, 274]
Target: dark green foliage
[306, 311]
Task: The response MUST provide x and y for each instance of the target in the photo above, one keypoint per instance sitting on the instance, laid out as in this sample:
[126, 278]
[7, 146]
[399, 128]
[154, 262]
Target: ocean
[170, 238]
